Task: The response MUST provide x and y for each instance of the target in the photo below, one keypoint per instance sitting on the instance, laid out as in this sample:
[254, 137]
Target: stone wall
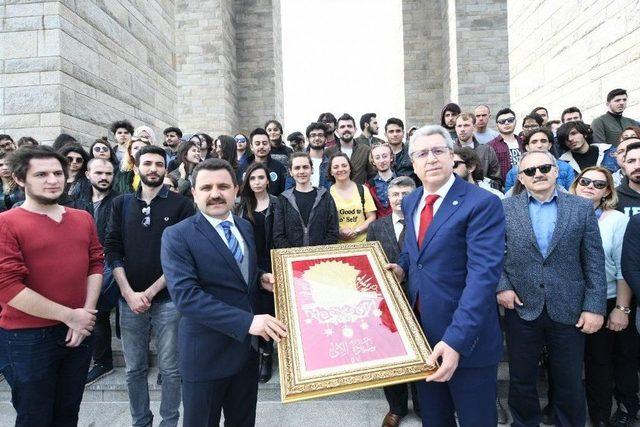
[75, 66]
[573, 53]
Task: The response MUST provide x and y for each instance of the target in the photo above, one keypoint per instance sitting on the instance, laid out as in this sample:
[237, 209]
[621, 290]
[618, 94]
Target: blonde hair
[381, 144]
[128, 161]
[608, 202]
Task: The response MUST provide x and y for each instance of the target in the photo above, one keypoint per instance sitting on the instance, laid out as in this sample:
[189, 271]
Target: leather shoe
[391, 420]
[549, 415]
[266, 362]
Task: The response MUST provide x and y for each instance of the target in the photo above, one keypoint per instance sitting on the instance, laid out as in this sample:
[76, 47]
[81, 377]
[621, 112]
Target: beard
[150, 183]
[101, 189]
[347, 137]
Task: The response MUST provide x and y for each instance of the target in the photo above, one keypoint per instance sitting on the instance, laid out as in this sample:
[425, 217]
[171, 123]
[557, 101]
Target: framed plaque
[350, 325]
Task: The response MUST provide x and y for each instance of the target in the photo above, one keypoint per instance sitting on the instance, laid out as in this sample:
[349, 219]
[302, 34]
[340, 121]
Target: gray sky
[341, 56]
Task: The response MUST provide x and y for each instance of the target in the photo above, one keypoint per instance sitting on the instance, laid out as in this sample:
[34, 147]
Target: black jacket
[628, 199]
[84, 201]
[277, 174]
[631, 255]
[241, 211]
[289, 229]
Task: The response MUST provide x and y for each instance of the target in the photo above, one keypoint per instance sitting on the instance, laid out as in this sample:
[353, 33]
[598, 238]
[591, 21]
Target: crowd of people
[532, 235]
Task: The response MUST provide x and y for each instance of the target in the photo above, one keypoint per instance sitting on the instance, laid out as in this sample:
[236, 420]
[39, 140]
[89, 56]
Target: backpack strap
[361, 192]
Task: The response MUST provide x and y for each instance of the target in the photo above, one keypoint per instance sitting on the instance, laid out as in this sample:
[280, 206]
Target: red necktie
[426, 216]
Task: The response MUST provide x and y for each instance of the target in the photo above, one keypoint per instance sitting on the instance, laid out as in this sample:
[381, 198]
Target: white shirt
[397, 226]
[442, 192]
[347, 151]
[215, 223]
[315, 177]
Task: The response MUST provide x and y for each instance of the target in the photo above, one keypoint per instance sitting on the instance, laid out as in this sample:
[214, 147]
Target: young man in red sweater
[51, 266]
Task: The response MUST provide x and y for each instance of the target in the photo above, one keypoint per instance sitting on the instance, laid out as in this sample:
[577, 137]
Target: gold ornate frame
[294, 386]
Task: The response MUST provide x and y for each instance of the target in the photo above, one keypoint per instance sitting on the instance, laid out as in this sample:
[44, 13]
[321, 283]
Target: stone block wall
[573, 53]
[75, 66]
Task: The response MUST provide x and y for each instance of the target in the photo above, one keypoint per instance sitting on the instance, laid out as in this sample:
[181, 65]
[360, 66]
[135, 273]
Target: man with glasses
[629, 190]
[132, 248]
[621, 149]
[6, 143]
[553, 289]
[507, 145]
[452, 259]
[316, 136]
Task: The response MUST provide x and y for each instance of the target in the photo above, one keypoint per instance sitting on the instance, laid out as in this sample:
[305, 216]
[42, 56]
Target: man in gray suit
[553, 289]
[389, 231]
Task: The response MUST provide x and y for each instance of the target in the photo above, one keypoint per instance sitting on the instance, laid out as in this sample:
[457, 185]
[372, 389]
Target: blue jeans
[163, 318]
[46, 377]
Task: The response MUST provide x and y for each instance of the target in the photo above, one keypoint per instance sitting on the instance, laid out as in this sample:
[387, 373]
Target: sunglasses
[544, 169]
[99, 149]
[78, 160]
[457, 163]
[146, 221]
[597, 183]
[241, 140]
[505, 121]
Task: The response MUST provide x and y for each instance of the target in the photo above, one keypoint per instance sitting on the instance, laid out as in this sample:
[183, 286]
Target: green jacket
[608, 127]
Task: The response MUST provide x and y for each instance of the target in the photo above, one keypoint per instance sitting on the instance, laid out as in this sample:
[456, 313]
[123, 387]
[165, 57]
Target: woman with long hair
[611, 354]
[205, 144]
[355, 206]
[188, 158]
[100, 149]
[226, 150]
[258, 206]
[9, 190]
[279, 150]
[126, 180]
[78, 158]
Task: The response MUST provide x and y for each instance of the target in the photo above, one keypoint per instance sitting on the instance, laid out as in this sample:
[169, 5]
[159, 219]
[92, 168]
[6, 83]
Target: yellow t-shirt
[350, 211]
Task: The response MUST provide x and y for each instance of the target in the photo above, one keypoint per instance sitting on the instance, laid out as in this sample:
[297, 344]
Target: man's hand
[397, 270]
[450, 359]
[508, 299]
[137, 302]
[267, 281]
[589, 323]
[74, 338]
[617, 320]
[268, 327]
[81, 320]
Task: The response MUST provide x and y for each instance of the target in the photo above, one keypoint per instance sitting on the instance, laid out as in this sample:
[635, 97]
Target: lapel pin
[166, 218]
[455, 203]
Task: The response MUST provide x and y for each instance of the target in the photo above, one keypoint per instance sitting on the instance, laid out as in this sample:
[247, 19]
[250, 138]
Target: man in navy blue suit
[453, 256]
[209, 261]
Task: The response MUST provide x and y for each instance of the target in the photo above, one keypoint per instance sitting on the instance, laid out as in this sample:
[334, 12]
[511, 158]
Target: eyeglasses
[99, 149]
[544, 169]
[423, 154]
[530, 127]
[146, 221]
[457, 163]
[508, 120]
[597, 183]
[78, 160]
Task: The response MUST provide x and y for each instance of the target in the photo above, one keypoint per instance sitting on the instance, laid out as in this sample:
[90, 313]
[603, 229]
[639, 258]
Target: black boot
[265, 363]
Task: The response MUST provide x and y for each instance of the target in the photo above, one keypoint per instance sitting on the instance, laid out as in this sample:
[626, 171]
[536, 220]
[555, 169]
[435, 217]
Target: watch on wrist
[625, 310]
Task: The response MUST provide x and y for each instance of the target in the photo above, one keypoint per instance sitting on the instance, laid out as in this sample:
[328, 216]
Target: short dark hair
[470, 158]
[150, 149]
[126, 124]
[632, 146]
[614, 93]
[323, 117]
[394, 121]
[366, 118]
[19, 159]
[334, 156]
[5, 136]
[563, 132]
[26, 140]
[570, 110]
[213, 165]
[539, 108]
[297, 155]
[345, 117]
[546, 131]
[316, 126]
[173, 129]
[533, 116]
[295, 137]
[504, 111]
[257, 131]
[62, 140]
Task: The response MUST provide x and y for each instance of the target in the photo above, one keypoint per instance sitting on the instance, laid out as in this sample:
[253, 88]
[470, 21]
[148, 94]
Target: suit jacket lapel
[212, 235]
[248, 241]
[390, 233]
[413, 200]
[522, 212]
[564, 212]
[449, 205]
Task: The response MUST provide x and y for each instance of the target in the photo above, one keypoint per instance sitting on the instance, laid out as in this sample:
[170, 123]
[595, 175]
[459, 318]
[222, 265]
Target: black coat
[631, 255]
[289, 230]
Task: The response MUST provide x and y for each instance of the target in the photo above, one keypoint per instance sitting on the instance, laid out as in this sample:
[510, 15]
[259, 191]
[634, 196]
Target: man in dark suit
[453, 254]
[390, 232]
[553, 289]
[209, 261]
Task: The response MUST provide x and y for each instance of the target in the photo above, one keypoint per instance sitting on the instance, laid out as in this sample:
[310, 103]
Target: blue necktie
[234, 245]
